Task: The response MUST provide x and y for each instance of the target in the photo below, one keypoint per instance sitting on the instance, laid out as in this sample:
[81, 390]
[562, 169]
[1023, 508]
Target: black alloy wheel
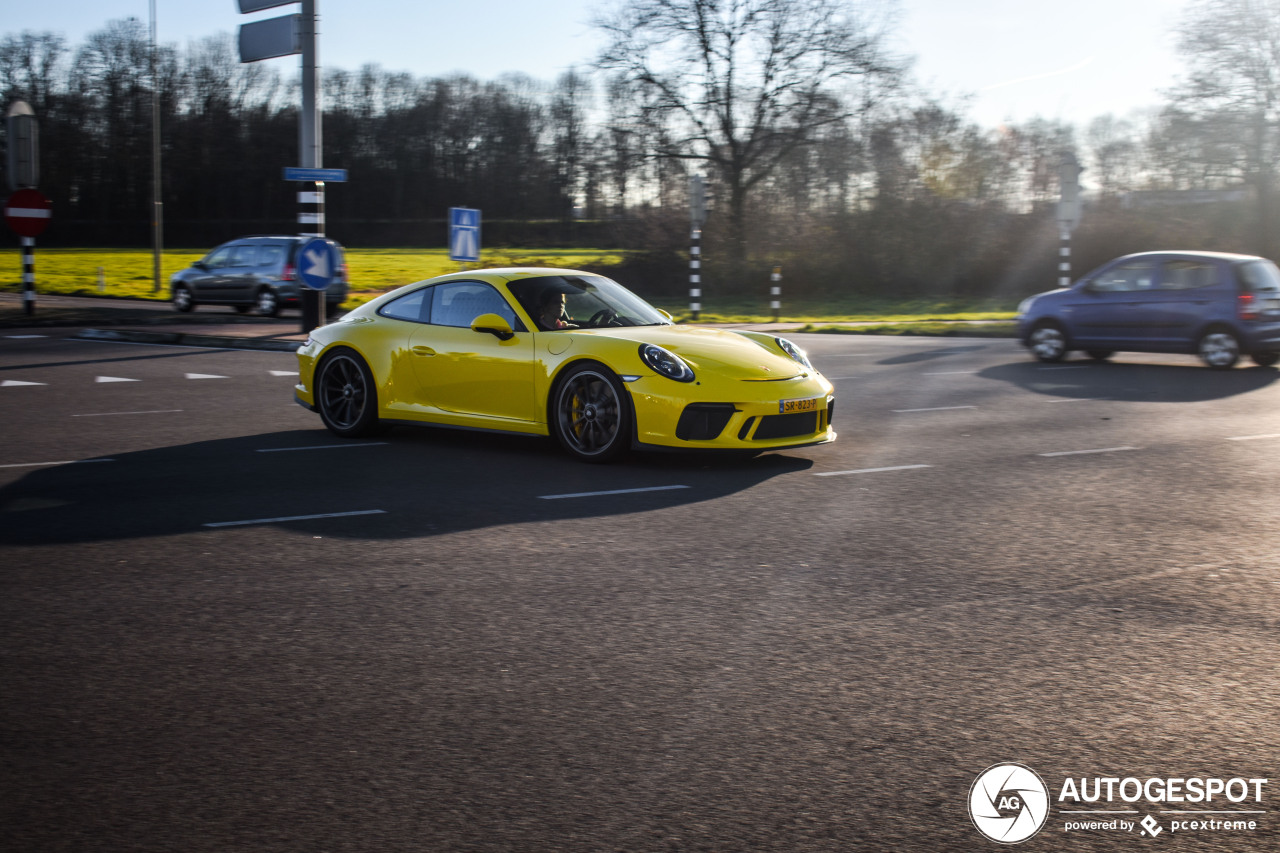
[345, 394]
[591, 414]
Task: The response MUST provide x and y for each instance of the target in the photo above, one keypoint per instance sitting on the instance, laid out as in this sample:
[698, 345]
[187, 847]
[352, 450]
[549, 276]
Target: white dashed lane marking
[14, 383]
[284, 518]
[870, 470]
[109, 414]
[935, 409]
[1253, 437]
[1083, 452]
[319, 447]
[115, 379]
[205, 376]
[609, 492]
[50, 464]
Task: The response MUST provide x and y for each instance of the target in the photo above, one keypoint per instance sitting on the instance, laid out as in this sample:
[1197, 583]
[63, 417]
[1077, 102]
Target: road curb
[187, 340]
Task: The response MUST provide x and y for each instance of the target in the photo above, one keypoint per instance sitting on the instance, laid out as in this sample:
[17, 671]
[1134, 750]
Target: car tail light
[1248, 306]
[289, 273]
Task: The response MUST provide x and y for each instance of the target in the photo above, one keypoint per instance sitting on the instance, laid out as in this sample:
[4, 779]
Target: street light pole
[157, 206]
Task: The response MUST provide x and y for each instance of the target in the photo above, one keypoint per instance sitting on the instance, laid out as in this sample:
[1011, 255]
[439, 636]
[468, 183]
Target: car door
[1110, 310]
[1182, 301]
[241, 273]
[209, 284]
[468, 372]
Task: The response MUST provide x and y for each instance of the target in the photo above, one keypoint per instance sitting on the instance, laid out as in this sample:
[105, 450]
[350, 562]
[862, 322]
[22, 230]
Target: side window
[1188, 275]
[271, 256]
[457, 303]
[1140, 275]
[244, 256]
[219, 258]
[413, 307]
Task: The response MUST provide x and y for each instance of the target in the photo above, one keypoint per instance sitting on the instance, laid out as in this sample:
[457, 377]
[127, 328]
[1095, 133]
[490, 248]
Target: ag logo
[1008, 803]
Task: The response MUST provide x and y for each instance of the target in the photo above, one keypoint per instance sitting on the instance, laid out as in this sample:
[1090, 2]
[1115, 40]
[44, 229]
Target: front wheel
[268, 303]
[1048, 343]
[590, 413]
[182, 299]
[1219, 349]
[345, 394]
[1265, 359]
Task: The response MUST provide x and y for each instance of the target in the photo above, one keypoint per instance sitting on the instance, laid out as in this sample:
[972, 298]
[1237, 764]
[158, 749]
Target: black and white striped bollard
[29, 275]
[311, 224]
[695, 275]
[1064, 259]
[775, 293]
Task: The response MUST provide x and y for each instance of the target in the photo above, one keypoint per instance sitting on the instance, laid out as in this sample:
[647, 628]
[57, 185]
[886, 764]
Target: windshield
[583, 302]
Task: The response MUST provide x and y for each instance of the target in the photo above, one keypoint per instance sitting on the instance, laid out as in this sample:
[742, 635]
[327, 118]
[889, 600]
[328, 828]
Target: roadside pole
[27, 210]
[1068, 213]
[697, 216]
[775, 293]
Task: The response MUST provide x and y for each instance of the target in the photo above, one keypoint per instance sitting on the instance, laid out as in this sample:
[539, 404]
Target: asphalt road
[224, 629]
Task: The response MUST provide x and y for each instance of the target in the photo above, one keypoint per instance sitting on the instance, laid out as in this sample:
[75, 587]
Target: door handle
[421, 350]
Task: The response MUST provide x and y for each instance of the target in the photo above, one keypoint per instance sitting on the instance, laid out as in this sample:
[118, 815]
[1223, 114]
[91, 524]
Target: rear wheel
[182, 299]
[1265, 359]
[590, 413]
[268, 303]
[1219, 348]
[1048, 343]
[345, 394]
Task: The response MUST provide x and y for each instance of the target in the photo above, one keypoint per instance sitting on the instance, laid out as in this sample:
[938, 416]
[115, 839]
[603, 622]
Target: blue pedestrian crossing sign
[464, 234]
[317, 262]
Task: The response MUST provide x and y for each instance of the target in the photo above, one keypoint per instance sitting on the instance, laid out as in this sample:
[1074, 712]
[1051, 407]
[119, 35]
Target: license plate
[791, 407]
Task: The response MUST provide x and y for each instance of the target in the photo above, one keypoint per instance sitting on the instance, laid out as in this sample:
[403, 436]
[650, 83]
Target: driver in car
[551, 312]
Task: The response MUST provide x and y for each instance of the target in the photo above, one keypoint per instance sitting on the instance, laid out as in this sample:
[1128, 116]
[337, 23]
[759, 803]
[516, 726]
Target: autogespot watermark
[1009, 803]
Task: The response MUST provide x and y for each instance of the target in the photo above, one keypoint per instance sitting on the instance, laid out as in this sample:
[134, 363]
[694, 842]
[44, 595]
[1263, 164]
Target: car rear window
[1258, 276]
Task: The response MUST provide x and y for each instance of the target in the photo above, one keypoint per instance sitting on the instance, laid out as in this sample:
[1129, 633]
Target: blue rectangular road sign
[464, 234]
[328, 176]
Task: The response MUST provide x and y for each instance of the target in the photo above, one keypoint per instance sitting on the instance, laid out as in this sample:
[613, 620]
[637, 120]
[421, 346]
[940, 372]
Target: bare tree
[1232, 91]
[741, 84]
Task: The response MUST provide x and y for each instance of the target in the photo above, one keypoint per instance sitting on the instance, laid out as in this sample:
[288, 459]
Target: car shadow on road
[406, 483]
[1151, 383]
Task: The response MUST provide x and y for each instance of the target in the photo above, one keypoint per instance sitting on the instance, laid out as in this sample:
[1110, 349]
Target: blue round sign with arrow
[317, 263]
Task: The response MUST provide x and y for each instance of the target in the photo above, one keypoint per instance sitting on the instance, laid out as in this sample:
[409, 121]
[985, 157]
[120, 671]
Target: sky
[1012, 60]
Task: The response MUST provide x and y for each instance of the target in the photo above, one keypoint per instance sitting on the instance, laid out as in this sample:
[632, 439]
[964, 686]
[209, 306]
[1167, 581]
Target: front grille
[786, 426]
[703, 421]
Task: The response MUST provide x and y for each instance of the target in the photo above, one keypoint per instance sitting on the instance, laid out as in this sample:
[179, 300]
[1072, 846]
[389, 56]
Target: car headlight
[1025, 305]
[666, 363]
[794, 351]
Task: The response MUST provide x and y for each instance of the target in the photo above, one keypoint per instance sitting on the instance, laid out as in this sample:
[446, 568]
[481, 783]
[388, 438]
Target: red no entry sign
[27, 212]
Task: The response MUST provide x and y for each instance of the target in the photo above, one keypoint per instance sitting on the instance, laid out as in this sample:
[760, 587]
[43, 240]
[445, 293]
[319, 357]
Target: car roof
[1218, 256]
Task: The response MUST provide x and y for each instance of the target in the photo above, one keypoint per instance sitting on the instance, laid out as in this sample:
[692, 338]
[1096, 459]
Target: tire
[345, 394]
[1265, 359]
[1219, 348]
[1048, 343]
[590, 413]
[183, 301]
[267, 303]
[1100, 354]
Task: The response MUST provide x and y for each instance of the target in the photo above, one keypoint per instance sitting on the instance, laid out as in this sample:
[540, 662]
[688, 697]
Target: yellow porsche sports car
[563, 353]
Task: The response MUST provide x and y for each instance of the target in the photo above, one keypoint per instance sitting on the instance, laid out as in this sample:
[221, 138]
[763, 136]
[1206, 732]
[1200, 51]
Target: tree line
[820, 152]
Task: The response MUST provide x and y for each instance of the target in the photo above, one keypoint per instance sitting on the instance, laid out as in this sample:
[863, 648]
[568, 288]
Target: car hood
[724, 352]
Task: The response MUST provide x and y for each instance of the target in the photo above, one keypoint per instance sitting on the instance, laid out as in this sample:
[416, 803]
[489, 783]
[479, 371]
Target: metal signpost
[1068, 213]
[285, 36]
[464, 235]
[27, 210]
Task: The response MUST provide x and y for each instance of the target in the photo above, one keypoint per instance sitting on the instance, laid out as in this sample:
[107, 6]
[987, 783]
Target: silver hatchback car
[253, 272]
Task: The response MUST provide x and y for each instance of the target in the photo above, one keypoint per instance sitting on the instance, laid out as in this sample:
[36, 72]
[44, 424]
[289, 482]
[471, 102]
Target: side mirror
[494, 324]
[200, 265]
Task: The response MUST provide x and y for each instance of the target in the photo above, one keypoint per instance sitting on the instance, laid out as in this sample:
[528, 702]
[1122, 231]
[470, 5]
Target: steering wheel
[603, 317]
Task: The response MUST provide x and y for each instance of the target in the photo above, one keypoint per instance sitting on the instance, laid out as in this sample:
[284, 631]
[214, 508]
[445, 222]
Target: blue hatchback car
[1216, 305]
